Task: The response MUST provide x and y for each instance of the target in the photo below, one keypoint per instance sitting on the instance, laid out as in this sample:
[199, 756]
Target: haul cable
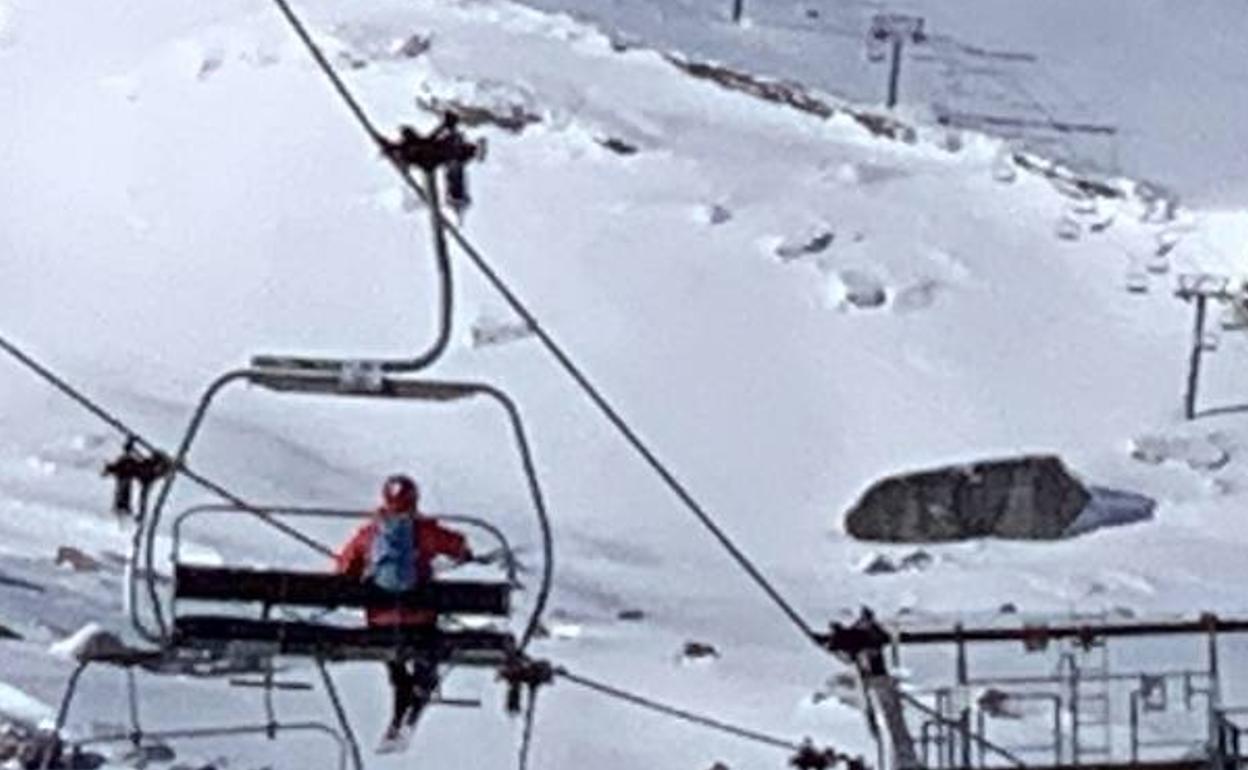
[548, 342]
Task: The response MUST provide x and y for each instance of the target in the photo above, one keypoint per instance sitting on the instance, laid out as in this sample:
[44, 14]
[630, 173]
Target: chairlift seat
[326, 590]
[221, 634]
[234, 636]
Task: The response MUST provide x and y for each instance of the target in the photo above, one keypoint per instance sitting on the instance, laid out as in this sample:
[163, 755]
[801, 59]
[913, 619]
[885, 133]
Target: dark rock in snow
[414, 46]
[1009, 608]
[815, 243]
[718, 215]
[998, 704]
[789, 94]
[511, 117]
[863, 290]
[699, 651]
[877, 564]
[149, 753]
[76, 559]
[1032, 498]
[618, 146]
[918, 560]
[631, 615]
[886, 127]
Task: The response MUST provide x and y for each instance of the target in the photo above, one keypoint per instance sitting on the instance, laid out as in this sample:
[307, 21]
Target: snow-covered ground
[1165, 74]
[181, 191]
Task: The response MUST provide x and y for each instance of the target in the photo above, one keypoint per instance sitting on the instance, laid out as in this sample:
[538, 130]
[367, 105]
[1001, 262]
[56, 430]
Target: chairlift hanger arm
[445, 147]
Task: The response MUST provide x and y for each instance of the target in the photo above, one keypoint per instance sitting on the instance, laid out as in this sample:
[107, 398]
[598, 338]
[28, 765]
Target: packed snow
[785, 307]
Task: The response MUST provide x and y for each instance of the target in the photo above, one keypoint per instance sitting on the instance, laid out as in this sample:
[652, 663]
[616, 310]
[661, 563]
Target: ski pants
[413, 681]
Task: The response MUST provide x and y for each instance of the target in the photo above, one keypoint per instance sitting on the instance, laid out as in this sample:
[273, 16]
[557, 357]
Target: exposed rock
[699, 651]
[862, 289]
[789, 94]
[1020, 498]
[414, 46]
[813, 243]
[1009, 608]
[1053, 170]
[998, 704]
[76, 559]
[717, 214]
[876, 564]
[1068, 229]
[617, 145]
[917, 560]
[513, 117]
[881, 564]
[631, 615]
[149, 753]
[886, 127]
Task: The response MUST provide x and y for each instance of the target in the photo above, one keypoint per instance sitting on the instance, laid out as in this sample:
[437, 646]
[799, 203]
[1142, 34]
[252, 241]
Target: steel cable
[674, 712]
[548, 342]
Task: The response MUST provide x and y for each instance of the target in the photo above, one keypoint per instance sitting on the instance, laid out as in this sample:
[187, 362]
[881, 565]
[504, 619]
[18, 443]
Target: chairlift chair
[213, 643]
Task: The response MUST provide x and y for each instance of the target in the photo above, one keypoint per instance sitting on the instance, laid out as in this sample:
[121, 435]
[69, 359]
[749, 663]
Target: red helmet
[400, 494]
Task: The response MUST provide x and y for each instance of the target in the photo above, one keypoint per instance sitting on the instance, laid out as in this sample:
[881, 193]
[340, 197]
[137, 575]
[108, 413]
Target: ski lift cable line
[121, 427]
[677, 713]
[547, 341]
[117, 424]
[526, 738]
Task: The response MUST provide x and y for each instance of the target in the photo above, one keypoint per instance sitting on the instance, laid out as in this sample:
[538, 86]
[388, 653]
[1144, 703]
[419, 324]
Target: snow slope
[1165, 74]
[183, 192]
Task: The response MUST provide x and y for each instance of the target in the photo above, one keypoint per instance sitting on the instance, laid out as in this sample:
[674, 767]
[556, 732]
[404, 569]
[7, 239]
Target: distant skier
[131, 467]
[395, 551]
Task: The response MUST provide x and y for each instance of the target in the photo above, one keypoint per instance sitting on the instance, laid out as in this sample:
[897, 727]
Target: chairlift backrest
[309, 589]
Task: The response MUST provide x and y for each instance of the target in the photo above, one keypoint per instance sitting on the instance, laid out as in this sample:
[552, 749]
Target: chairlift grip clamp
[524, 673]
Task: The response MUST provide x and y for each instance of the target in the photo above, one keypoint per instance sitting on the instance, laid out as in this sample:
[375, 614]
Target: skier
[395, 551]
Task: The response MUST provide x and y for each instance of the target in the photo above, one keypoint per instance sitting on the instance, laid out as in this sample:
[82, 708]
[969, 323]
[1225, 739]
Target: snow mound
[24, 710]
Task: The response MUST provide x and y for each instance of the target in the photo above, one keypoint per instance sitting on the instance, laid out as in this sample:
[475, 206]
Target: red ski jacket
[433, 540]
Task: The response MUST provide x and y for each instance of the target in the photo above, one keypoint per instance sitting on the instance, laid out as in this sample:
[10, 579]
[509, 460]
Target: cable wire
[674, 712]
[117, 424]
[547, 341]
[121, 427]
[526, 738]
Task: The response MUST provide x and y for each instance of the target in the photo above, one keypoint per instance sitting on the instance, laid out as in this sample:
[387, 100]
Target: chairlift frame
[345, 382]
[338, 385]
[343, 737]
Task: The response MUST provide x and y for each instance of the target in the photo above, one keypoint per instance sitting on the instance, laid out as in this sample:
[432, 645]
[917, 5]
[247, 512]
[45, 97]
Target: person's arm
[354, 555]
[451, 544]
